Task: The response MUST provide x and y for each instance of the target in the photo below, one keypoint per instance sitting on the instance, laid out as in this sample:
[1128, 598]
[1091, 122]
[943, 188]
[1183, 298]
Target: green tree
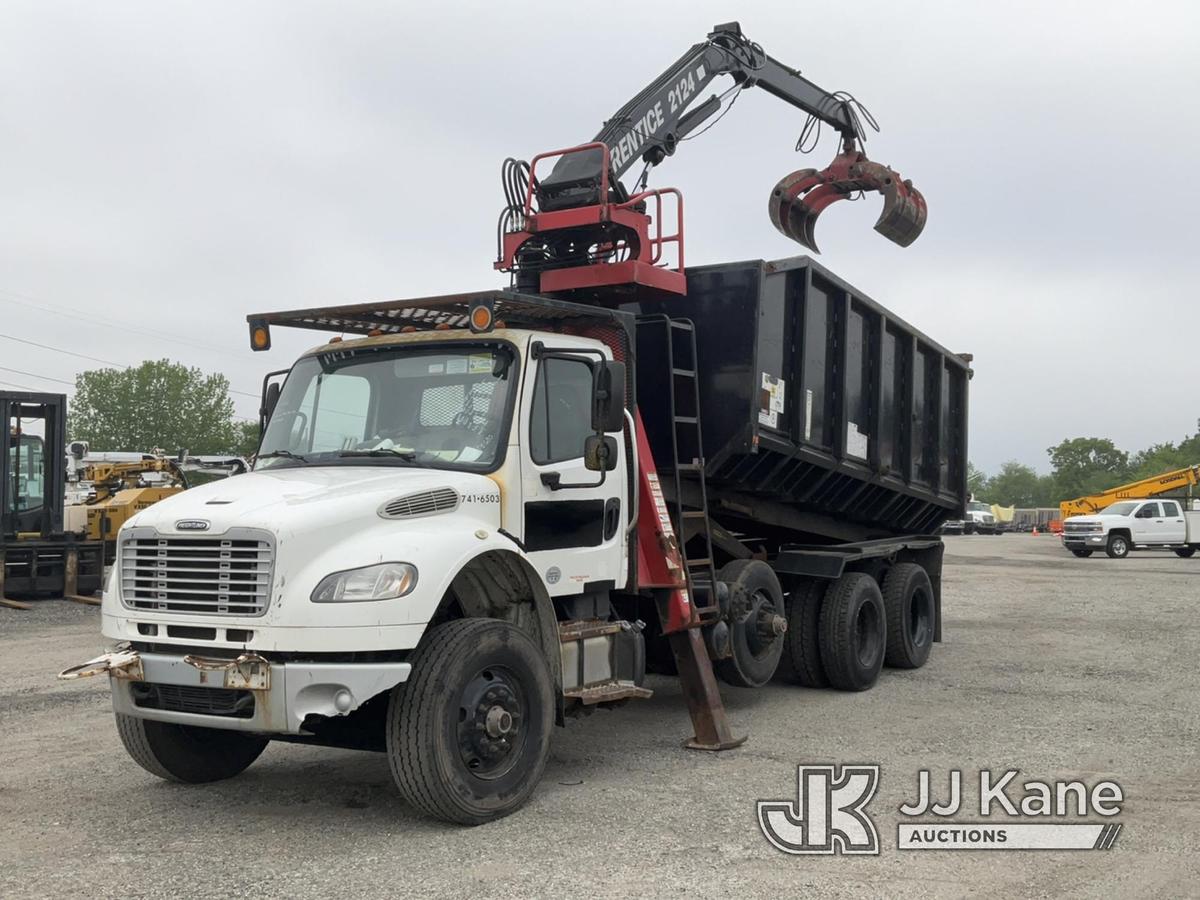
[245, 442]
[1048, 492]
[159, 404]
[1014, 485]
[1087, 465]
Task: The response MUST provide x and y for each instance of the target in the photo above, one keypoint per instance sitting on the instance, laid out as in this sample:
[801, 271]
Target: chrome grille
[423, 503]
[228, 574]
[1080, 527]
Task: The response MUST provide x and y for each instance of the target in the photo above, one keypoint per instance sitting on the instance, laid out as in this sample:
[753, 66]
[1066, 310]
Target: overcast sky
[172, 167]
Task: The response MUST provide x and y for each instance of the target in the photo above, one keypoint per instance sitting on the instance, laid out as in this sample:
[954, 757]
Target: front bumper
[248, 694]
[1083, 540]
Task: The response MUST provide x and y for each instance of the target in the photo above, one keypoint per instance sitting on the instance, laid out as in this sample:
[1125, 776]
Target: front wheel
[1118, 546]
[468, 734]
[1082, 553]
[188, 753]
[1185, 552]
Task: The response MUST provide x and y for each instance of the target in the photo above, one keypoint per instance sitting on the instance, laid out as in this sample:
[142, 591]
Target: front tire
[853, 632]
[1118, 546]
[1082, 553]
[188, 753]
[468, 734]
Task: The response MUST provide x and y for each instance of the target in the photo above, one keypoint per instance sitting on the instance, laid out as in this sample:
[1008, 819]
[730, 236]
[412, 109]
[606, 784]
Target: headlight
[385, 581]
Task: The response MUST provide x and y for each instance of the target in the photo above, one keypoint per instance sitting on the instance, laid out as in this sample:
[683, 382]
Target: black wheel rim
[920, 618]
[868, 641]
[491, 722]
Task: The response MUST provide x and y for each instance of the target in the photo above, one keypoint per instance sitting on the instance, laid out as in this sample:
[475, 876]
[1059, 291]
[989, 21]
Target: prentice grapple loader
[577, 228]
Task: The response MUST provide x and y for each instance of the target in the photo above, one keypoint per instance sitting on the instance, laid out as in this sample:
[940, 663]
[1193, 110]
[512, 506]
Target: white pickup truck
[1134, 524]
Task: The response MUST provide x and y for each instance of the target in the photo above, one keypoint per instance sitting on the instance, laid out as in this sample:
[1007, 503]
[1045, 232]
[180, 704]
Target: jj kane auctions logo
[829, 814]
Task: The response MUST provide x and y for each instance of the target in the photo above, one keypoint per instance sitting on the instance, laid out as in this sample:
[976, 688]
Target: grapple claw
[799, 198]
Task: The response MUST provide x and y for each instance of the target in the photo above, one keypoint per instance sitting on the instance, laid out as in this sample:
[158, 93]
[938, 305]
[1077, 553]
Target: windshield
[979, 507]
[1119, 509]
[443, 406]
[27, 464]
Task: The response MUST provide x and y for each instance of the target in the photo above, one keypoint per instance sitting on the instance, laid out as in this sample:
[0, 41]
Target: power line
[73, 313]
[107, 362]
[36, 375]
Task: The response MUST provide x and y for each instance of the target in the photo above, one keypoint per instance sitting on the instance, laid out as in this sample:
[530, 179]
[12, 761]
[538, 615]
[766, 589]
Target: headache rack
[495, 308]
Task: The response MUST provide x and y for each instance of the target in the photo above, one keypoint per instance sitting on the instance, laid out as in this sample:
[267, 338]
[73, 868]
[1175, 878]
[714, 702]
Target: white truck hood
[1091, 520]
[288, 499]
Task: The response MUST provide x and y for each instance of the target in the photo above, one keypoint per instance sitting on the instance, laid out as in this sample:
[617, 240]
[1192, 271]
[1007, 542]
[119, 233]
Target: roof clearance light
[481, 317]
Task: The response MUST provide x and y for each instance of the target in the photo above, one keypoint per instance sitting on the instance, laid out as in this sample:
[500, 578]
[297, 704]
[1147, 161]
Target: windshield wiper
[406, 455]
[286, 454]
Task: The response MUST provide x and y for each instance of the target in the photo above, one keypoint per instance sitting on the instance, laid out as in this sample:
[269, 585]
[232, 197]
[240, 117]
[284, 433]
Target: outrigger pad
[799, 198]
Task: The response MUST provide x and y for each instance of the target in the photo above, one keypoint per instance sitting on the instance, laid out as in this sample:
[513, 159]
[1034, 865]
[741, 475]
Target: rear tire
[468, 734]
[908, 601]
[1083, 553]
[1118, 546]
[1185, 552]
[853, 632]
[188, 753]
[801, 663]
[755, 590]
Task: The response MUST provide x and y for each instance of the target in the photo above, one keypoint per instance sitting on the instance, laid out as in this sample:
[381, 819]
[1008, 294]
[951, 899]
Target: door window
[1149, 511]
[561, 418]
[1170, 508]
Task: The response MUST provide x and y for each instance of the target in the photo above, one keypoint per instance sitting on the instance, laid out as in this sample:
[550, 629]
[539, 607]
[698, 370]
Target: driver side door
[573, 534]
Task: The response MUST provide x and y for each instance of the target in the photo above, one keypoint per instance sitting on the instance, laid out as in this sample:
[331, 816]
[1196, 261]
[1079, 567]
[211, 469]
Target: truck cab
[977, 519]
[1133, 524]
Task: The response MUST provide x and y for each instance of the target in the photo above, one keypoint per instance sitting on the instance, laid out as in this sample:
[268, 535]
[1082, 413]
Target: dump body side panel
[816, 397]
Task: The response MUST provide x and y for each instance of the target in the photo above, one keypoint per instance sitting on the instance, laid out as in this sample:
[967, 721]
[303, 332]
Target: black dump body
[821, 412]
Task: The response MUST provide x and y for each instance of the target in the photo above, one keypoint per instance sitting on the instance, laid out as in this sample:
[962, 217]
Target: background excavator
[578, 228]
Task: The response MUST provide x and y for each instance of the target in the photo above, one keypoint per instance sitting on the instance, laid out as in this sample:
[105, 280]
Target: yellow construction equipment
[123, 489]
[1178, 480]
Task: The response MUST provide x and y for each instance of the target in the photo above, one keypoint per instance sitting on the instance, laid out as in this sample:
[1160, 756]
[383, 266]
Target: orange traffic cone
[1035, 531]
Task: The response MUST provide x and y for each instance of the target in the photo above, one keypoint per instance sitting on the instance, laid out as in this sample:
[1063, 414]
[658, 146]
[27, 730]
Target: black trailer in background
[37, 557]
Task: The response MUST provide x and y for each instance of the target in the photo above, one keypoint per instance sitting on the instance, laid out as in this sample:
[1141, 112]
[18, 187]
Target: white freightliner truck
[454, 537]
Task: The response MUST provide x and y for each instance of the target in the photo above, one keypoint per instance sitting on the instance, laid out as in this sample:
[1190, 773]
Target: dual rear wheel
[841, 633]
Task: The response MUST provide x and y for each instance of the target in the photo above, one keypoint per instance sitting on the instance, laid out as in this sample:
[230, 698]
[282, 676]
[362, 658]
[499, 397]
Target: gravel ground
[1061, 667]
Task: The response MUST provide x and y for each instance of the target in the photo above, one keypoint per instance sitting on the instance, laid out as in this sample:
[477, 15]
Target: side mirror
[600, 453]
[270, 398]
[608, 398]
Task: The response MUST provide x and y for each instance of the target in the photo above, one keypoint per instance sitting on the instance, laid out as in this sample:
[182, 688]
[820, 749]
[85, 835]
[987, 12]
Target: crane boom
[650, 126]
[576, 227]
[1187, 477]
